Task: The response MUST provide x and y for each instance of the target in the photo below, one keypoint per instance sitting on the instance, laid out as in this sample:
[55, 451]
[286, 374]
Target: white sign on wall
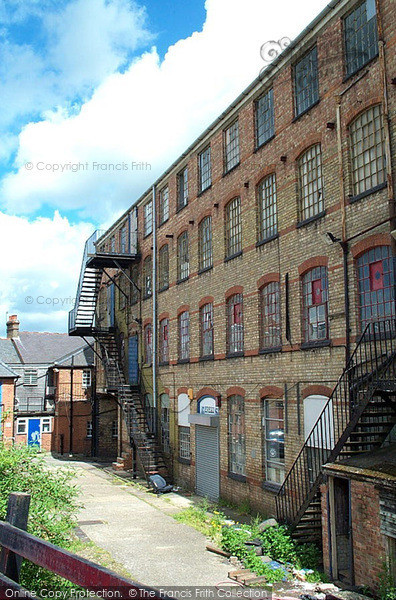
[208, 406]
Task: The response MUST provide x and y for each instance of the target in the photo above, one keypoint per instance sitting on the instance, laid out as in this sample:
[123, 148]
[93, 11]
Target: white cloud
[151, 112]
[41, 263]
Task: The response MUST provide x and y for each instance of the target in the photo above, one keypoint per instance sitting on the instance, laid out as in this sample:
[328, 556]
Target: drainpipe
[154, 296]
[71, 424]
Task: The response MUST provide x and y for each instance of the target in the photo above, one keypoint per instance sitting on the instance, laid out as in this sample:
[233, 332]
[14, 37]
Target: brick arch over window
[207, 391]
[236, 391]
[268, 278]
[236, 289]
[271, 391]
[373, 241]
[182, 309]
[311, 263]
[206, 300]
[163, 315]
[147, 321]
[316, 390]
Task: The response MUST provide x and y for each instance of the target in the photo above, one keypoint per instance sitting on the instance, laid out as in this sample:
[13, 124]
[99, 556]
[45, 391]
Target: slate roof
[8, 354]
[82, 358]
[6, 372]
[37, 347]
[379, 463]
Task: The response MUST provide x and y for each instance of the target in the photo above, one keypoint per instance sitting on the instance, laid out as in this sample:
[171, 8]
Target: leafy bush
[53, 505]
[233, 540]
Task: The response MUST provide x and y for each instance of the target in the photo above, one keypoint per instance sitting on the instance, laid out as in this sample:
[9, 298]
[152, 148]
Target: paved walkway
[137, 529]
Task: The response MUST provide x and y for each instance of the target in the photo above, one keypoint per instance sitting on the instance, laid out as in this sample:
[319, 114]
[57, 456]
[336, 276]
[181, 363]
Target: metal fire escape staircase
[357, 418]
[141, 433]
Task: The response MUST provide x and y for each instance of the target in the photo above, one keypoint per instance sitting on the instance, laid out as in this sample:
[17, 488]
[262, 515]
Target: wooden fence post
[17, 515]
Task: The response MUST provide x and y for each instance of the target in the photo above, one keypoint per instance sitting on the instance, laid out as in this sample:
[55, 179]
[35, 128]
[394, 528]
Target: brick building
[7, 396]
[244, 279]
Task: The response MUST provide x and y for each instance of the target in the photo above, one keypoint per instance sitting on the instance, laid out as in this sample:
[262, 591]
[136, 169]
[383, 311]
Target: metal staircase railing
[371, 369]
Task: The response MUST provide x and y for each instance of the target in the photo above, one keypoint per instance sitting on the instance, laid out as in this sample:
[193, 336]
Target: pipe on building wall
[154, 296]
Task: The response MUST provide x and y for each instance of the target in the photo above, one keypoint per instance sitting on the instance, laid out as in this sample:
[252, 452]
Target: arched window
[233, 228]
[270, 316]
[183, 265]
[367, 150]
[236, 435]
[163, 268]
[148, 344]
[235, 336]
[376, 285]
[310, 183]
[315, 305]
[205, 243]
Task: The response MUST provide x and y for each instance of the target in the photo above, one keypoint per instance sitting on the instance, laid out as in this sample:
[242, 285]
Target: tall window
[274, 441]
[306, 82]
[315, 305]
[206, 314]
[310, 183]
[235, 324]
[148, 344]
[165, 440]
[205, 243]
[268, 221]
[148, 218]
[231, 146]
[265, 122]
[361, 36]
[233, 228]
[184, 443]
[270, 316]
[163, 205]
[184, 336]
[163, 268]
[164, 341]
[183, 265]
[367, 150]
[134, 291]
[147, 277]
[112, 244]
[376, 285]
[205, 172]
[123, 240]
[236, 435]
[182, 188]
[122, 291]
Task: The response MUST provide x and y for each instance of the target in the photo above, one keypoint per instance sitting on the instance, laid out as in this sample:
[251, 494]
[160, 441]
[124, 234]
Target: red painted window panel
[377, 276]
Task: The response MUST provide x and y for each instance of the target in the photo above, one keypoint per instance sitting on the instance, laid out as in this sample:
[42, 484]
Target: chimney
[12, 327]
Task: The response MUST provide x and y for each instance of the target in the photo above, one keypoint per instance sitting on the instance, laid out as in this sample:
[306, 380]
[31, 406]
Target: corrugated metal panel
[207, 461]
[388, 513]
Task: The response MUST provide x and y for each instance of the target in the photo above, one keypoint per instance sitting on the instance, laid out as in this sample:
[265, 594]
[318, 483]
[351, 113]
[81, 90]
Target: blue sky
[101, 82]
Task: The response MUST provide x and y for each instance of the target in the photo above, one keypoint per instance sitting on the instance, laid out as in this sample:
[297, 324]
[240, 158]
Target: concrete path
[138, 530]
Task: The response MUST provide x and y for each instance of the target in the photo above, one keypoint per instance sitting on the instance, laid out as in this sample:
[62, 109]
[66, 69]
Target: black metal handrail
[370, 363]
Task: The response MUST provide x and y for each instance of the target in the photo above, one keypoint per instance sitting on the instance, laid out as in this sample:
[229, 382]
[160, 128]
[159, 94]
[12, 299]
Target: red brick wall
[7, 399]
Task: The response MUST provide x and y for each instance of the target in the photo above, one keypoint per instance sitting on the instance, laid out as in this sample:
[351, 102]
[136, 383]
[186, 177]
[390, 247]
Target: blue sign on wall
[34, 432]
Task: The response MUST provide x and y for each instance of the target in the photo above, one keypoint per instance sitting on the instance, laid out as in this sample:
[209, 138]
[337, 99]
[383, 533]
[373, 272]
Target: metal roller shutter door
[207, 461]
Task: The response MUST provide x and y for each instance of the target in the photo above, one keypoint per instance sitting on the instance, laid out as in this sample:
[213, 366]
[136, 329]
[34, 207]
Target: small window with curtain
[306, 82]
[315, 305]
[235, 342]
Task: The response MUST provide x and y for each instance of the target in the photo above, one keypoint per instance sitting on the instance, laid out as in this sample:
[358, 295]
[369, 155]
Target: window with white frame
[274, 441]
[367, 144]
[89, 429]
[233, 228]
[207, 332]
[231, 147]
[205, 243]
[268, 220]
[310, 183]
[306, 82]
[30, 377]
[265, 121]
[315, 305]
[21, 426]
[163, 205]
[184, 336]
[148, 218]
[205, 173]
[86, 378]
[236, 435]
[182, 188]
[360, 36]
[235, 342]
[183, 265]
[46, 425]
